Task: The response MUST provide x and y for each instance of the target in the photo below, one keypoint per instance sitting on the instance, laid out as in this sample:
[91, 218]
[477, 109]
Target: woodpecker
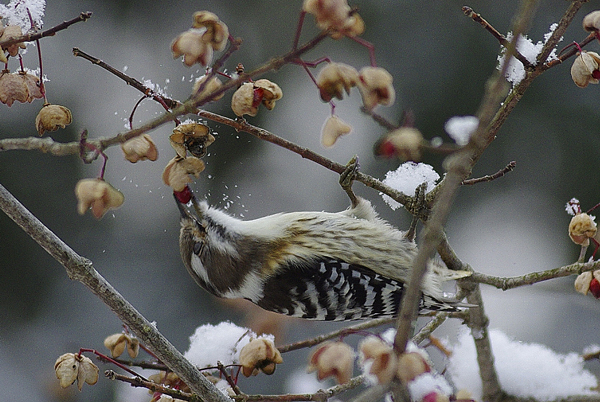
[347, 265]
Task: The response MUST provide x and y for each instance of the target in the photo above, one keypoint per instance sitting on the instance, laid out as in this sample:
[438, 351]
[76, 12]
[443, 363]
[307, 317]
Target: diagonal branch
[501, 38]
[81, 269]
[84, 16]
[129, 80]
[459, 167]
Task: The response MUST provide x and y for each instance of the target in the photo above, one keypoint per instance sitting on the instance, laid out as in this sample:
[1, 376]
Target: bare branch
[431, 326]
[508, 168]
[560, 30]
[150, 385]
[45, 145]
[81, 269]
[335, 334]
[129, 80]
[84, 16]
[534, 277]
[488, 27]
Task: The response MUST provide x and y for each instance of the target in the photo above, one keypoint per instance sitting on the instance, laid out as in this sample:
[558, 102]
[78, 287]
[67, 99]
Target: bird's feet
[348, 176]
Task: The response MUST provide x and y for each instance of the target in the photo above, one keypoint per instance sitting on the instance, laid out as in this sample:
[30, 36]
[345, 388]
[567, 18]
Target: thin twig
[431, 326]
[508, 168]
[144, 364]
[379, 119]
[150, 385]
[109, 359]
[559, 32]
[229, 379]
[129, 80]
[335, 334]
[234, 45]
[84, 16]
[501, 38]
[506, 283]
[319, 396]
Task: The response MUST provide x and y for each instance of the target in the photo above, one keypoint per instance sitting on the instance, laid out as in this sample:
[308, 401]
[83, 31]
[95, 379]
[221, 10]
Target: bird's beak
[182, 209]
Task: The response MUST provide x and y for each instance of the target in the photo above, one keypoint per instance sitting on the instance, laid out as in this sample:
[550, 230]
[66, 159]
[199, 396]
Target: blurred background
[440, 61]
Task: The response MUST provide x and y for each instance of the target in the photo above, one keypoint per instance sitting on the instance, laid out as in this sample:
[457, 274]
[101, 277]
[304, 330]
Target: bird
[347, 265]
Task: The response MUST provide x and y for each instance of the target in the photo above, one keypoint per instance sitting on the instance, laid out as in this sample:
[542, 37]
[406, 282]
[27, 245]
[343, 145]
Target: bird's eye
[198, 247]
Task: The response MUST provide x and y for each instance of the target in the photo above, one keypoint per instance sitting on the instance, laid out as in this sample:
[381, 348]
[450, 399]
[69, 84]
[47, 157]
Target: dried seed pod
[70, 367]
[242, 101]
[192, 47]
[582, 282]
[20, 86]
[585, 69]
[375, 85]
[52, 117]
[216, 33]
[384, 361]
[591, 22]
[213, 84]
[270, 92]
[192, 137]
[116, 343]
[581, 228]
[66, 368]
[250, 95]
[410, 366]
[333, 359]
[259, 354]
[11, 32]
[404, 143]
[334, 79]
[332, 129]
[335, 15]
[88, 372]
[98, 195]
[140, 148]
[177, 172]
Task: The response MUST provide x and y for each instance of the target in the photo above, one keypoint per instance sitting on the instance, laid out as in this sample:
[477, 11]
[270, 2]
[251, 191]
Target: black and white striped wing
[331, 290]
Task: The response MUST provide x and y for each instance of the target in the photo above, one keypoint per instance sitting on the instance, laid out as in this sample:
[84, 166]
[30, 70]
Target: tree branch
[84, 16]
[534, 277]
[488, 27]
[335, 334]
[81, 269]
[508, 168]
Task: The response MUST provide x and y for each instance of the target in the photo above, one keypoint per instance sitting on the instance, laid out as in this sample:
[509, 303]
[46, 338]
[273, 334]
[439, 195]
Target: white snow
[573, 207]
[460, 128]
[407, 178]
[15, 13]
[525, 370]
[591, 349]
[427, 383]
[301, 382]
[515, 71]
[221, 342]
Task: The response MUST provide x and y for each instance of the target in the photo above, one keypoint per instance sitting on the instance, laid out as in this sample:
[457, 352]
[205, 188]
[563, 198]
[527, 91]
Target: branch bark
[83, 16]
[81, 269]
